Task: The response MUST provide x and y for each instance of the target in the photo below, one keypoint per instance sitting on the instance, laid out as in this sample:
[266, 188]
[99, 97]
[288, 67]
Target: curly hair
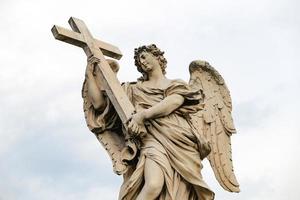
[156, 52]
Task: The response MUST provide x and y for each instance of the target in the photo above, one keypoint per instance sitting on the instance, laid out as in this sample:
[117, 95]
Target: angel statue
[176, 125]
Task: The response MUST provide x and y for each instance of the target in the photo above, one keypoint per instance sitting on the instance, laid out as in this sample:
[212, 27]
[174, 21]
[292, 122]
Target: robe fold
[171, 141]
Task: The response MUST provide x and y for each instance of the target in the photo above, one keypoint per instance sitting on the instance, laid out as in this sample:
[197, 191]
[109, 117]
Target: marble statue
[156, 130]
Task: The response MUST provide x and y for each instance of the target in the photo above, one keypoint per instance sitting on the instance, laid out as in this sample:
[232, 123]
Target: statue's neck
[156, 75]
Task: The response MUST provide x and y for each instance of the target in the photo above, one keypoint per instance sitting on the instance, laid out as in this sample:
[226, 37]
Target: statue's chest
[145, 98]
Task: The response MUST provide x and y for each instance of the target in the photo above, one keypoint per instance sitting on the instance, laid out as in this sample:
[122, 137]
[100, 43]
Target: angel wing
[215, 121]
[113, 141]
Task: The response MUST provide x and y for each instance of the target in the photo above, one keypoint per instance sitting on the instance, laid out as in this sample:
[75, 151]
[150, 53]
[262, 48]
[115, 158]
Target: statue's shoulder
[176, 82]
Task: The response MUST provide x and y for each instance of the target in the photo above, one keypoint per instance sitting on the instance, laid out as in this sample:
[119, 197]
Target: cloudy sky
[46, 150]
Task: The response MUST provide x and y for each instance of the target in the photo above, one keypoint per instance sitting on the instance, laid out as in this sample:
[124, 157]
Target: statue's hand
[91, 63]
[136, 124]
[93, 60]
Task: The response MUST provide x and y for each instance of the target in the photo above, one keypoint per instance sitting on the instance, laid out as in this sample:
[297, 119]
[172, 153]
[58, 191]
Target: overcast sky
[46, 150]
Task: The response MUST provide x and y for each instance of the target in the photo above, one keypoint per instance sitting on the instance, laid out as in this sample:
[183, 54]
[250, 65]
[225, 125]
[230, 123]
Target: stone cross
[81, 37]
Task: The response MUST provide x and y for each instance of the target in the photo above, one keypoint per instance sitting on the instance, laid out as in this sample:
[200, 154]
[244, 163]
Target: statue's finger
[129, 120]
[131, 129]
[135, 129]
[130, 125]
[138, 131]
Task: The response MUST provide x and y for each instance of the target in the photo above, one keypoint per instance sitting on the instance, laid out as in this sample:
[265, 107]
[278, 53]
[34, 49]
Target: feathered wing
[112, 140]
[216, 121]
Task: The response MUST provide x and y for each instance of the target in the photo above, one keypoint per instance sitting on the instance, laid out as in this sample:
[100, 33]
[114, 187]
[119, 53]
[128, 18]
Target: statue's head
[156, 52]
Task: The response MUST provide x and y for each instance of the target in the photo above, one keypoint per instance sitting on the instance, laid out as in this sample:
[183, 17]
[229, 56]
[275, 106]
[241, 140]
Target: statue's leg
[154, 181]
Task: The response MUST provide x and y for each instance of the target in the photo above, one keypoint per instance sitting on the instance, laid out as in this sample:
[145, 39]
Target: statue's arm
[94, 92]
[165, 107]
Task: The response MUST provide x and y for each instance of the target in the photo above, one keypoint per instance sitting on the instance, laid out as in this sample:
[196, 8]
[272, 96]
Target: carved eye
[143, 56]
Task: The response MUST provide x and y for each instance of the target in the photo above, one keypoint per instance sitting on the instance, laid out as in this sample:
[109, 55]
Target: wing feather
[112, 141]
[218, 123]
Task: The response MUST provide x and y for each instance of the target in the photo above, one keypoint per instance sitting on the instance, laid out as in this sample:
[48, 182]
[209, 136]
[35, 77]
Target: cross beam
[81, 37]
[77, 39]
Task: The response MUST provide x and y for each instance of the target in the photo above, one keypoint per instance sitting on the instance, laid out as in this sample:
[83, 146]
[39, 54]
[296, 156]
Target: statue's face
[149, 62]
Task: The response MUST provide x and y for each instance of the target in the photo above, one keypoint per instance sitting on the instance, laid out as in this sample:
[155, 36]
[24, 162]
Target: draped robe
[171, 141]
